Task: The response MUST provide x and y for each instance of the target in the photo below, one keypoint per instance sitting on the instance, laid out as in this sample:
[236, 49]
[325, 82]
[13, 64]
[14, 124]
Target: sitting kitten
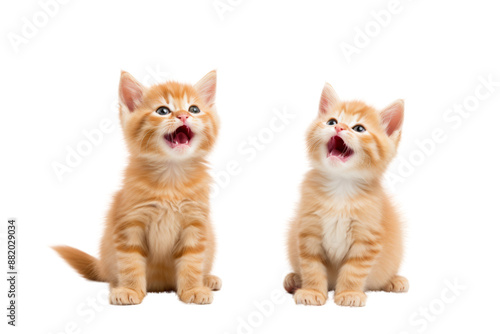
[158, 234]
[346, 235]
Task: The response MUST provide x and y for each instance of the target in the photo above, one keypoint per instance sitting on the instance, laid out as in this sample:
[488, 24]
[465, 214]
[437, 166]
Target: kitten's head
[169, 121]
[352, 137]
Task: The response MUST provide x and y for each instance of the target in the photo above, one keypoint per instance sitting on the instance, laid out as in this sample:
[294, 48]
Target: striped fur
[158, 235]
[346, 235]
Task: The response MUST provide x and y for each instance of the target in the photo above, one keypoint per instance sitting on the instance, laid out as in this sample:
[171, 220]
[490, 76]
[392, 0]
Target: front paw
[350, 298]
[309, 297]
[198, 295]
[125, 296]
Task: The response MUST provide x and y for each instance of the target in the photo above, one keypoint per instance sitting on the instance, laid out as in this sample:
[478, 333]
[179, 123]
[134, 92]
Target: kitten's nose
[340, 127]
[183, 117]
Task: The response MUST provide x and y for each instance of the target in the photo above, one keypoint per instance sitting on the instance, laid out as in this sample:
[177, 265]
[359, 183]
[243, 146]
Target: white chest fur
[338, 215]
[336, 236]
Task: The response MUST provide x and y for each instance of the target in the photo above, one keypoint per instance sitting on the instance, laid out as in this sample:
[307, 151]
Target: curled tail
[85, 264]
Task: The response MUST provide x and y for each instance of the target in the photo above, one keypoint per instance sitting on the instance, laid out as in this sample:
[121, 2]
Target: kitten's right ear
[130, 92]
[329, 99]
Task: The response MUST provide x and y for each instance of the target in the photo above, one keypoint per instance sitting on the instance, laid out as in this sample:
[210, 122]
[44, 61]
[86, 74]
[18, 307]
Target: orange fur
[346, 235]
[158, 234]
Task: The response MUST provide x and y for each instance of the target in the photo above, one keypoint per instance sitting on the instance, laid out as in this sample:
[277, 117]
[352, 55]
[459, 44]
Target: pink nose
[183, 117]
[339, 128]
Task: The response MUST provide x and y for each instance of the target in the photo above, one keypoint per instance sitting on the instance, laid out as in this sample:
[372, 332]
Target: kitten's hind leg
[213, 282]
[397, 284]
[292, 282]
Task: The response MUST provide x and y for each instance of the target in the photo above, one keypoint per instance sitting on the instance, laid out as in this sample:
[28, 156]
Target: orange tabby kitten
[158, 234]
[346, 235]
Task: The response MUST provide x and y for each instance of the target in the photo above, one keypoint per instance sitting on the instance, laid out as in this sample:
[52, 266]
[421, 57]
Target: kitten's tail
[85, 264]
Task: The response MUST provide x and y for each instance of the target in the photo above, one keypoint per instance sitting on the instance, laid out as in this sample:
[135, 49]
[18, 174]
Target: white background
[270, 55]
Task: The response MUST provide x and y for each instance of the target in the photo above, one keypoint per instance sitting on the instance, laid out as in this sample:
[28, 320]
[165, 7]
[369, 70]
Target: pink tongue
[181, 138]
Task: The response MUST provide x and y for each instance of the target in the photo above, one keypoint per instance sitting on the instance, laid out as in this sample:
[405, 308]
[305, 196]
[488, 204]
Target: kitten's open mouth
[180, 137]
[338, 148]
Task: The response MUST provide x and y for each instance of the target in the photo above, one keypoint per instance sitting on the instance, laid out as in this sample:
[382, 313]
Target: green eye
[359, 128]
[194, 110]
[162, 111]
[332, 121]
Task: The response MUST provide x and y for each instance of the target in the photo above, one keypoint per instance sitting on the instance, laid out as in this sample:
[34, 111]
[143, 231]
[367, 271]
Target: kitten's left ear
[392, 117]
[206, 87]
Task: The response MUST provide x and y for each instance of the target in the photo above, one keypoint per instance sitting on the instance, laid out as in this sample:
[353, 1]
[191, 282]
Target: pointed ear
[130, 92]
[392, 117]
[329, 99]
[206, 87]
